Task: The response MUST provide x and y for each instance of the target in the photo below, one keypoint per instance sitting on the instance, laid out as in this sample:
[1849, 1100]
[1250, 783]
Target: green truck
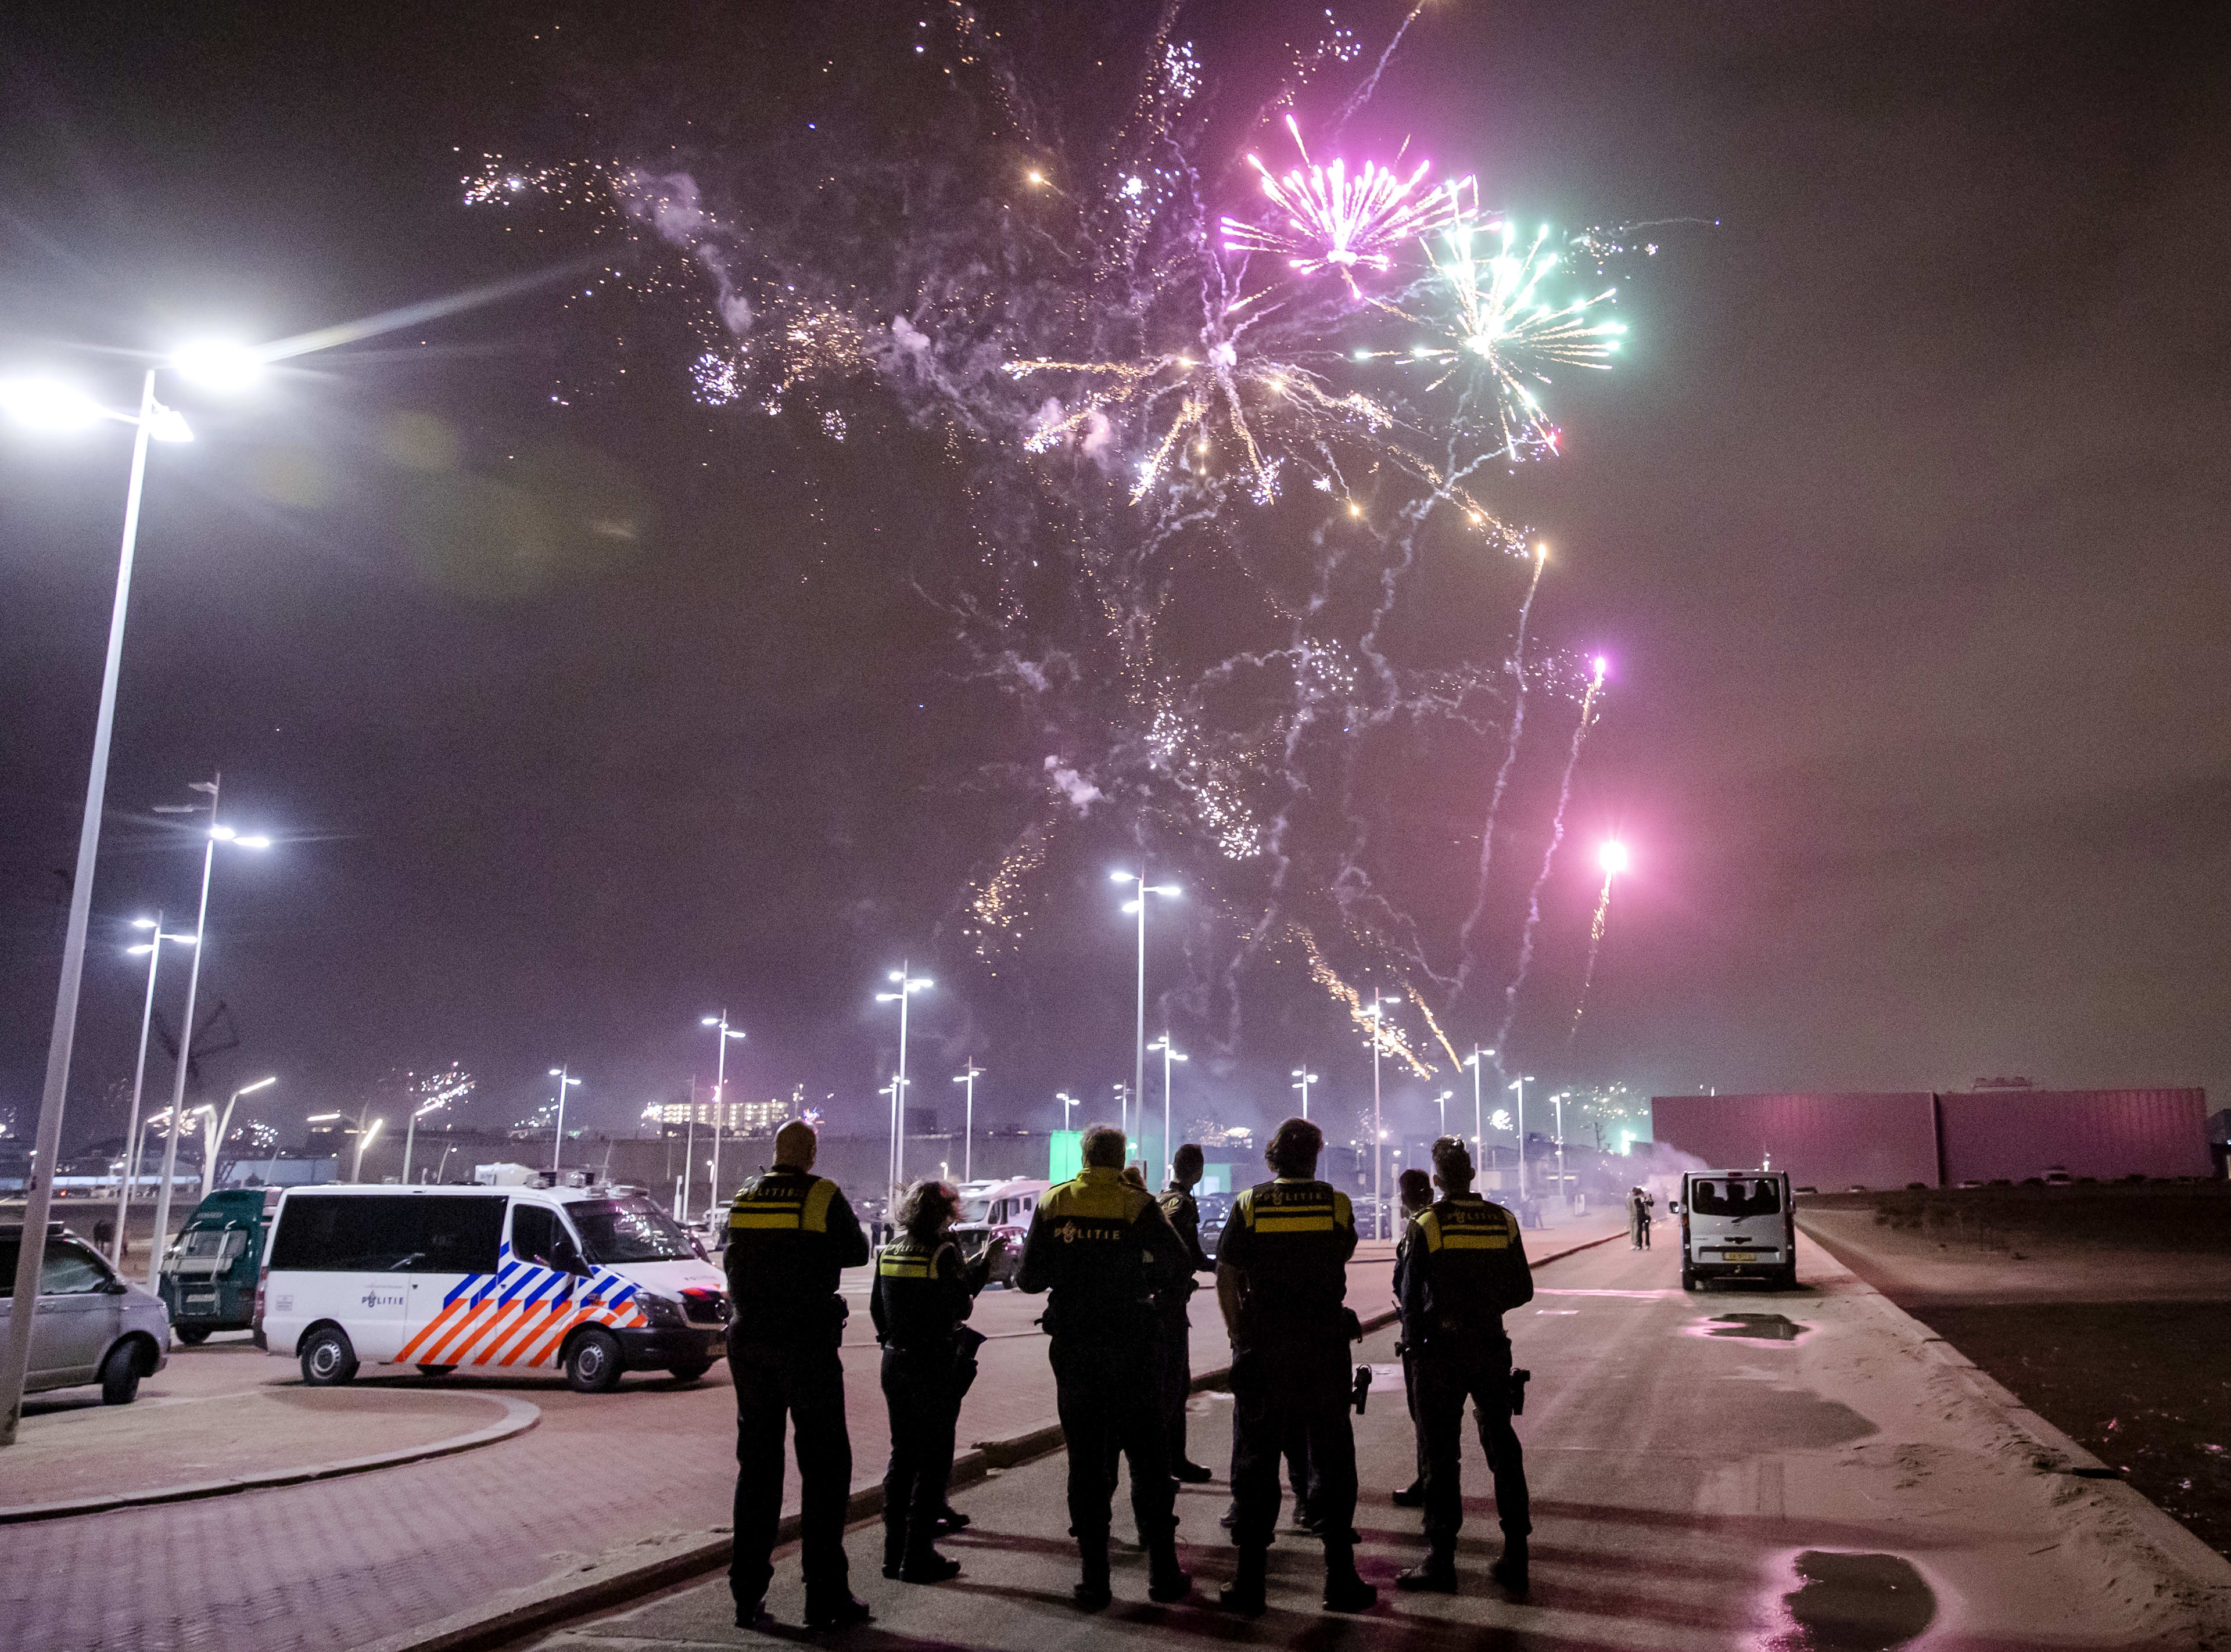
[209, 1273]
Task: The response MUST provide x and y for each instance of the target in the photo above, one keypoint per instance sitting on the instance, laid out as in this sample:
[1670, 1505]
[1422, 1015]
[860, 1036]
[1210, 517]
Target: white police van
[594, 1280]
[1737, 1225]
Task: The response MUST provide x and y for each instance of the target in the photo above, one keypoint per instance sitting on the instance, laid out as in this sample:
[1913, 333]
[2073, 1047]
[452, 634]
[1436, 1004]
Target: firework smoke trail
[1502, 775]
[1391, 1042]
[1364, 92]
[1427, 1010]
[1549, 858]
[1614, 862]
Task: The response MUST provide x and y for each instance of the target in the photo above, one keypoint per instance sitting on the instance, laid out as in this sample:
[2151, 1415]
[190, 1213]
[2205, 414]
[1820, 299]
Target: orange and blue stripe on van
[520, 1315]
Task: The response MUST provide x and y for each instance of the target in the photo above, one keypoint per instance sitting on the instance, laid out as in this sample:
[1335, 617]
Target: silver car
[93, 1326]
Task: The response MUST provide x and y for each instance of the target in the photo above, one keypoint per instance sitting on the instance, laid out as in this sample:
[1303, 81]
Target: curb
[519, 1416]
[2056, 1452]
[660, 1562]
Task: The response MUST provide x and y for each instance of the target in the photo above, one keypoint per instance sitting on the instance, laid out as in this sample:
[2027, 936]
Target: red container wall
[1992, 1135]
[1831, 1142]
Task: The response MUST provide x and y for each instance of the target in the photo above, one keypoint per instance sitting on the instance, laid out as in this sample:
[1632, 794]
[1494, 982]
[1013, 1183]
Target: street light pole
[1378, 1134]
[1067, 1102]
[720, 1097]
[909, 984]
[968, 1128]
[564, 1074]
[220, 1125]
[1558, 1101]
[1306, 1078]
[1477, 1061]
[1139, 1030]
[153, 948]
[1519, 1085]
[1168, 1055]
[1443, 1099]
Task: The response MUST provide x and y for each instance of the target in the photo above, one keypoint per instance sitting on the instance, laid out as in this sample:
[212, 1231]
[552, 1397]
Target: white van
[485, 1278]
[1737, 1225]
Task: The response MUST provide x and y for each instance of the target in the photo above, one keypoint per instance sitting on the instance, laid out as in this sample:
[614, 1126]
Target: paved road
[1691, 1469]
[344, 1562]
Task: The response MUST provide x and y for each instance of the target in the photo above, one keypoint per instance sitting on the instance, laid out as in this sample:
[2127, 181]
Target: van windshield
[976, 1207]
[1737, 1199]
[628, 1231]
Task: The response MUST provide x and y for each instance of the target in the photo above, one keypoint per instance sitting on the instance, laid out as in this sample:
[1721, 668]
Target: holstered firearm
[1361, 1390]
[1519, 1378]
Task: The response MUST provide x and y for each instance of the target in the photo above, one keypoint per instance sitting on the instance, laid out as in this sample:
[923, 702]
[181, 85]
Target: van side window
[461, 1235]
[535, 1234]
[373, 1234]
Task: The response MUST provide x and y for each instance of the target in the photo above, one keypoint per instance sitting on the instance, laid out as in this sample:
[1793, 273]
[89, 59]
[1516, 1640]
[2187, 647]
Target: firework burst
[1336, 220]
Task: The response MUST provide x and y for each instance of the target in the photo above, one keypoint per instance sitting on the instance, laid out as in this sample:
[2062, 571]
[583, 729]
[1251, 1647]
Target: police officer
[1175, 1324]
[1466, 1269]
[1104, 1247]
[922, 1293]
[1415, 1190]
[1280, 1281]
[790, 1235]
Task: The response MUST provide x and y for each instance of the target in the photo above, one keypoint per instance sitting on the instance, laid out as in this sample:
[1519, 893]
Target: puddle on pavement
[1857, 1603]
[1761, 1327]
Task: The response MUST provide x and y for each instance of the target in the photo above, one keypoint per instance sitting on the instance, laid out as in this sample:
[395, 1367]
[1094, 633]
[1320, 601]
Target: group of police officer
[1119, 1265]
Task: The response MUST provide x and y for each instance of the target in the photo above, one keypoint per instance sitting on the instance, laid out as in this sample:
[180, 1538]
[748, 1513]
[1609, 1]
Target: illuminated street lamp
[564, 1074]
[909, 984]
[720, 1101]
[153, 947]
[1519, 1084]
[218, 1126]
[1477, 1061]
[433, 1104]
[216, 834]
[1442, 1100]
[1303, 1078]
[44, 405]
[1137, 904]
[968, 1128]
[1067, 1102]
[1168, 1055]
[1377, 1015]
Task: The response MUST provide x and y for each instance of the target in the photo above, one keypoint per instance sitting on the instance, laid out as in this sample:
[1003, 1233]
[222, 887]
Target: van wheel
[192, 1335]
[1688, 1277]
[328, 1357]
[689, 1370]
[436, 1370]
[119, 1375]
[593, 1364]
[1785, 1277]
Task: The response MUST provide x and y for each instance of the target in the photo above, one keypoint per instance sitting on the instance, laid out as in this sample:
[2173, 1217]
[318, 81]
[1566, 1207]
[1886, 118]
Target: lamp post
[1519, 1084]
[1124, 1113]
[968, 1128]
[564, 1074]
[909, 984]
[1477, 1060]
[1168, 1055]
[410, 1131]
[1067, 1102]
[153, 947]
[219, 1125]
[1138, 904]
[1303, 1078]
[355, 1122]
[720, 1096]
[1558, 1101]
[1443, 1099]
[217, 834]
[55, 407]
[1377, 1014]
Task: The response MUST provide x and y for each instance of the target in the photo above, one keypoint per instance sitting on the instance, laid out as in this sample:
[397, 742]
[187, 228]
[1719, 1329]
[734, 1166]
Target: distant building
[736, 1117]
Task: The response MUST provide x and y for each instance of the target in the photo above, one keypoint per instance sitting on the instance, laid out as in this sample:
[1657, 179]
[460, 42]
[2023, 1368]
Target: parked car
[94, 1326]
[524, 1277]
[1215, 1210]
[208, 1280]
[1737, 1225]
[1003, 1208]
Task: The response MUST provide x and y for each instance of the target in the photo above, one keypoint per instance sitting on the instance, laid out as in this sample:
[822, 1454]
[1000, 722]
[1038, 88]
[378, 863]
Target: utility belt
[809, 1320]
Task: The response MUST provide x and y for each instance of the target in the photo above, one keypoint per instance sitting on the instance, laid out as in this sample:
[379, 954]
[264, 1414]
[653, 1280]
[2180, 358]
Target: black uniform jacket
[790, 1235]
[1289, 1240]
[1184, 1214]
[1105, 1250]
[922, 1293]
[1466, 1269]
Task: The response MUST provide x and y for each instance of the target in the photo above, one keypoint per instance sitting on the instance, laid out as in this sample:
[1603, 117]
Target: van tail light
[263, 1278]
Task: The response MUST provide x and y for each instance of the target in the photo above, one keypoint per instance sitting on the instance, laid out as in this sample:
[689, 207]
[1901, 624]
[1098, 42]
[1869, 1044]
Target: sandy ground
[1734, 1468]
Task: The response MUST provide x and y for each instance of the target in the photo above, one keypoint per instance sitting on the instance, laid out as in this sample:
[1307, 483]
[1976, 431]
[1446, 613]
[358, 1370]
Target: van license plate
[208, 1301]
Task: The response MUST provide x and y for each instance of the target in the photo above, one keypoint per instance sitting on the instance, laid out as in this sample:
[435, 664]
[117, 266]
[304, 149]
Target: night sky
[580, 715]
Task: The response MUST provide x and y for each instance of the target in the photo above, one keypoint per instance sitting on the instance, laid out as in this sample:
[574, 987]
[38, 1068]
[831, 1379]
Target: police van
[1737, 1225]
[594, 1282]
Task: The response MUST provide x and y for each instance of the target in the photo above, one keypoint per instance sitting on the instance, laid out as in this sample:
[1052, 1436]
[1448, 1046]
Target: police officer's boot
[836, 1611]
[1344, 1591]
[1410, 1496]
[894, 1547]
[1166, 1579]
[1436, 1574]
[1244, 1592]
[1092, 1591]
[1510, 1569]
[924, 1565]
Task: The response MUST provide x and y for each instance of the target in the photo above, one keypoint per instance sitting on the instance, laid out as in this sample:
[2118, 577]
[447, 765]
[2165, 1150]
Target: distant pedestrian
[1416, 1189]
[1175, 1321]
[790, 1235]
[922, 1293]
[1280, 1281]
[1104, 1248]
[1467, 1268]
[1638, 1218]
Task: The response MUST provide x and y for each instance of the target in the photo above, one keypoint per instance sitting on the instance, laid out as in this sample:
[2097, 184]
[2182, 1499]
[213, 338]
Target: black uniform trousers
[804, 1384]
[1173, 1377]
[1291, 1400]
[1447, 1377]
[1409, 1402]
[1109, 1402]
[923, 1397]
